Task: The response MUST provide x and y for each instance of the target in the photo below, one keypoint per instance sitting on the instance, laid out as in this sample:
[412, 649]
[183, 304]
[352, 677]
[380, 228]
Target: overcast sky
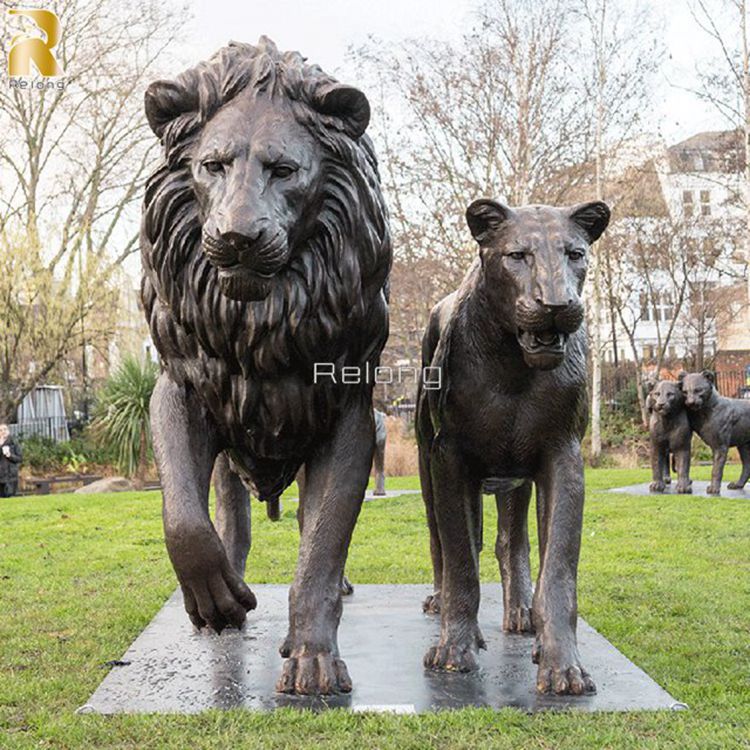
[323, 30]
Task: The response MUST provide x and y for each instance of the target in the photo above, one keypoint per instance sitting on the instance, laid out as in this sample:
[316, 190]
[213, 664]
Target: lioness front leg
[335, 482]
[185, 446]
[555, 599]
[457, 504]
[512, 552]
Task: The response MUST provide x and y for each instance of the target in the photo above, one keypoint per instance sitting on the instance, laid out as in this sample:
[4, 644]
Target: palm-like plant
[123, 414]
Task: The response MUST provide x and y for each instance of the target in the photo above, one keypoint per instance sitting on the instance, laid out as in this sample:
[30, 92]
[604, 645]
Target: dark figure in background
[669, 430]
[512, 410]
[265, 249]
[10, 462]
[378, 460]
[722, 423]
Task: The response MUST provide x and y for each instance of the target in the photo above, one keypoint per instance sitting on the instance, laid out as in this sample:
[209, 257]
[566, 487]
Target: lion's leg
[745, 475]
[424, 430]
[232, 513]
[186, 446]
[346, 586]
[457, 504]
[657, 467]
[555, 607]
[512, 552]
[335, 483]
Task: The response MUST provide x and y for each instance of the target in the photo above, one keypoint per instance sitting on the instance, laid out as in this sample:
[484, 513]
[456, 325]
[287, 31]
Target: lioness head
[534, 260]
[666, 398]
[697, 388]
[270, 130]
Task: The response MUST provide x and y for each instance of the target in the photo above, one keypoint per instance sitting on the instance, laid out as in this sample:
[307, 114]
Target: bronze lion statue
[511, 346]
[266, 249]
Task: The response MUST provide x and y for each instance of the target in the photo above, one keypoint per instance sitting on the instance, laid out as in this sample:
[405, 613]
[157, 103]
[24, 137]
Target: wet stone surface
[699, 490]
[383, 636]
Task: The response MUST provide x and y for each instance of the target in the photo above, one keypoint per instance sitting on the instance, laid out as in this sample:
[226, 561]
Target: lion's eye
[213, 166]
[518, 255]
[575, 254]
[283, 170]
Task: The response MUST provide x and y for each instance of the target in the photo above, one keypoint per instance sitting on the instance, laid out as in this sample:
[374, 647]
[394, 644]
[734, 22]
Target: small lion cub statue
[669, 429]
[722, 423]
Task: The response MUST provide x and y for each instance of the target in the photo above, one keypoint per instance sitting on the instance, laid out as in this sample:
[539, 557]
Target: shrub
[122, 420]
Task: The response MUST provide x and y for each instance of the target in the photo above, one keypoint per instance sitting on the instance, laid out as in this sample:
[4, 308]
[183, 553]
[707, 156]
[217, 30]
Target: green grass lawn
[666, 579]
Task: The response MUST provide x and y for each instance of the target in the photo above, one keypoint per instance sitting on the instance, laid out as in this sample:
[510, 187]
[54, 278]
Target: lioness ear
[593, 218]
[350, 105]
[165, 100]
[484, 217]
[710, 376]
[680, 377]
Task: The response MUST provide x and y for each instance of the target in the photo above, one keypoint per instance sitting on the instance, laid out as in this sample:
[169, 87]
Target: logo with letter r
[25, 49]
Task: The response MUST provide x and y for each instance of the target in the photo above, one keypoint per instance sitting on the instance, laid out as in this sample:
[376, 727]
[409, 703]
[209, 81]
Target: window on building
[664, 307]
[648, 351]
[687, 202]
[672, 352]
[645, 307]
[705, 202]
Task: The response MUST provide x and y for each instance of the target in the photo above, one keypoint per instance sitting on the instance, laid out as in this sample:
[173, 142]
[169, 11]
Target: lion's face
[666, 398]
[256, 177]
[697, 388]
[535, 260]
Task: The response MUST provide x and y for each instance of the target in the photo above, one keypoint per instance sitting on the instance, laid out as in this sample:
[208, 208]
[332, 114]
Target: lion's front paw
[657, 486]
[684, 488]
[455, 654]
[213, 592]
[431, 605]
[713, 489]
[314, 674]
[565, 679]
[518, 620]
[735, 486]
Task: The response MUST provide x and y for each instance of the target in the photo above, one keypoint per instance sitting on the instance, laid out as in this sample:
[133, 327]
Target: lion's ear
[681, 377]
[710, 376]
[485, 216]
[592, 217]
[347, 103]
[165, 100]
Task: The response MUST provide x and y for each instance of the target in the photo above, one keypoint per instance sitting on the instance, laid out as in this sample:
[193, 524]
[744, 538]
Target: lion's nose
[243, 240]
[554, 305]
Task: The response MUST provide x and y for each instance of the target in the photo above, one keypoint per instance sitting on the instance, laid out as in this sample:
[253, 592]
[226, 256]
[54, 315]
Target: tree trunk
[746, 114]
[596, 354]
[140, 472]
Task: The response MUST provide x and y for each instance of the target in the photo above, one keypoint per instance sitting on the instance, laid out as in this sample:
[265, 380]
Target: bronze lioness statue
[721, 423]
[512, 410]
[669, 433]
[265, 248]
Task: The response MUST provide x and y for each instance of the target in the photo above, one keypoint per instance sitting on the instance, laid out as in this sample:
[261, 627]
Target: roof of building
[711, 151]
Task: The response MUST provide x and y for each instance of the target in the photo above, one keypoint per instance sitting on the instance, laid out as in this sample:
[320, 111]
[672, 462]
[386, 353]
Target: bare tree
[77, 152]
[725, 84]
[623, 52]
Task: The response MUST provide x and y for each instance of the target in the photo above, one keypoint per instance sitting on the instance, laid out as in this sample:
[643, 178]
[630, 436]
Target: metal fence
[619, 387]
[54, 428]
[733, 384]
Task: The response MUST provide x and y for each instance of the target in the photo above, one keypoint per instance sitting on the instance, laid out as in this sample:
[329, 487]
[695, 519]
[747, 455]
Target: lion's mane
[252, 362]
